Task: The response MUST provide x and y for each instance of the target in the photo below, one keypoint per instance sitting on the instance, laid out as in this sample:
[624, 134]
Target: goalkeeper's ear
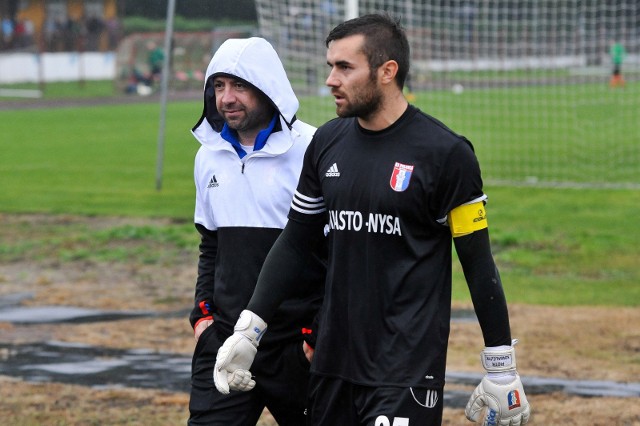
[387, 72]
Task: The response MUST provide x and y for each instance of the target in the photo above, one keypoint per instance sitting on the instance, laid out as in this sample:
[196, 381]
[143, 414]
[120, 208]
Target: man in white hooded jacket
[245, 174]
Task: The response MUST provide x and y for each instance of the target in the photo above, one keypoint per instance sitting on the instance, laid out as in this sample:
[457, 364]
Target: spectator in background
[59, 35]
[467, 17]
[7, 32]
[618, 55]
[29, 32]
[113, 33]
[155, 59]
[94, 26]
[18, 35]
[48, 31]
[25, 32]
[70, 34]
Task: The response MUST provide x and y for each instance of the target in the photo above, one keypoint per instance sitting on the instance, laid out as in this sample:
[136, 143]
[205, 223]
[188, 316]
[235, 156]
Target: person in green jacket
[155, 60]
[618, 54]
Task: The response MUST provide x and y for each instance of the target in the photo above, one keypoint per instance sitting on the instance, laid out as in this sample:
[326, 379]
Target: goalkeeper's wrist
[250, 326]
[499, 360]
[500, 363]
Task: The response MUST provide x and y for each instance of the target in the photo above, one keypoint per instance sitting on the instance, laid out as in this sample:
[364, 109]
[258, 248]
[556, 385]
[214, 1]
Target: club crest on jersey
[513, 399]
[400, 177]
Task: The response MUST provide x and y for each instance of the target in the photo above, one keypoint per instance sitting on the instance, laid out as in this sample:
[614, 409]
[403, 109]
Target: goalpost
[529, 82]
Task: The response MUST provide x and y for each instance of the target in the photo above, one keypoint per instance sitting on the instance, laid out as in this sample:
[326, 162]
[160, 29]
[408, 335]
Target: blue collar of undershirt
[231, 136]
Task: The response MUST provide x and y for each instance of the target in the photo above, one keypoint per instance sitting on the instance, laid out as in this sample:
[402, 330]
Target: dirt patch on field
[586, 343]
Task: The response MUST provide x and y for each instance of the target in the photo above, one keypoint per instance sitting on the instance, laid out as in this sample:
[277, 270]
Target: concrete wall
[51, 67]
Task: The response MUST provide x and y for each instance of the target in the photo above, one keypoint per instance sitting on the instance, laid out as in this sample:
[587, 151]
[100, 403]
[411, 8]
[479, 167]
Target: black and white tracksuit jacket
[242, 203]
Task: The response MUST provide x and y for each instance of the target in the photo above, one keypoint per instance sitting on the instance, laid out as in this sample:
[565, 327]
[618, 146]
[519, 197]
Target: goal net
[529, 82]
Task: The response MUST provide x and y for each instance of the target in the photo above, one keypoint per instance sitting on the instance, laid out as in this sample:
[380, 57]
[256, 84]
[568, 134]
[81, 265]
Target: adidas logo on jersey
[333, 171]
[213, 183]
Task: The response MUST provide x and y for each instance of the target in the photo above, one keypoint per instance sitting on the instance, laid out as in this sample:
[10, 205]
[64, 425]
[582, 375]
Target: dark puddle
[542, 385]
[63, 314]
[100, 367]
[11, 311]
[112, 368]
[95, 366]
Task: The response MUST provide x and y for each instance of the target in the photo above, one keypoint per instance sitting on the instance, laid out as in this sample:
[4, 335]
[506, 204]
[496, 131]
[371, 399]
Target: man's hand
[200, 327]
[500, 391]
[236, 355]
[308, 351]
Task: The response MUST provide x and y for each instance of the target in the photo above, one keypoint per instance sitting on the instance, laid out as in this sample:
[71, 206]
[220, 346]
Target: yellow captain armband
[467, 218]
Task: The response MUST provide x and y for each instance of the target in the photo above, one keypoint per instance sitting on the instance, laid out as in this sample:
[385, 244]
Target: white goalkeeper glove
[500, 391]
[236, 354]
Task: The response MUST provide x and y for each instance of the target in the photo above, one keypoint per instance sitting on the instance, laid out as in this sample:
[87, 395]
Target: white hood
[255, 61]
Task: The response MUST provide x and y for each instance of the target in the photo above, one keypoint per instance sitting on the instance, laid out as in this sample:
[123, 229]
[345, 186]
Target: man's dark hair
[384, 40]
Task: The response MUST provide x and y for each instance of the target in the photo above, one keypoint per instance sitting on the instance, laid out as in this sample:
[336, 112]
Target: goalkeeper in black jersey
[391, 188]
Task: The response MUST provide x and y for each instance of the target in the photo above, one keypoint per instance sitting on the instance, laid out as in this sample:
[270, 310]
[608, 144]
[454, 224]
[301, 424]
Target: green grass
[580, 133]
[553, 246]
[564, 246]
[65, 240]
[86, 89]
[98, 160]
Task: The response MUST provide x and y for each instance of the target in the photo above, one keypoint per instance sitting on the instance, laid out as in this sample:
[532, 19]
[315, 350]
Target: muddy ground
[587, 343]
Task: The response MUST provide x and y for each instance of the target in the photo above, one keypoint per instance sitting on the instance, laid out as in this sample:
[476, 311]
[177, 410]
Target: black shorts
[616, 69]
[337, 402]
[281, 374]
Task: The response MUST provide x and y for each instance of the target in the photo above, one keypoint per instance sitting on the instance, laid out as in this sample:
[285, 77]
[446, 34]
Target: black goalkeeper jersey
[384, 197]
